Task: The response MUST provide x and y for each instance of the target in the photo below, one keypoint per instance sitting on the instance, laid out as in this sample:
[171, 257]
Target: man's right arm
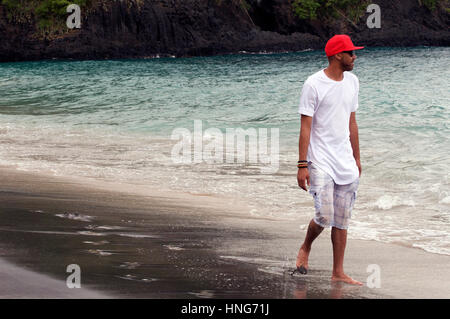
[305, 133]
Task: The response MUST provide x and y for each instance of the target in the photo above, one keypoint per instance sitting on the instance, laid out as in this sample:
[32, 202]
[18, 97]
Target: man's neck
[335, 73]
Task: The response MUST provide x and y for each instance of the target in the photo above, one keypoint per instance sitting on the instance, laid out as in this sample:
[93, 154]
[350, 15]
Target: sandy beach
[131, 242]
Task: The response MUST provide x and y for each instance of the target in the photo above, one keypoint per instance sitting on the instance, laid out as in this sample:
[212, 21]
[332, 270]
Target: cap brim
[357, 48]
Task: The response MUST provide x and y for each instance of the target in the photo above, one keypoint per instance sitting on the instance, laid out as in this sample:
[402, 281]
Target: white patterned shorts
[333, 203]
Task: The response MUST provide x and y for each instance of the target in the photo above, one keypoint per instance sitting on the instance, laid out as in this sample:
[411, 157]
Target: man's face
[347, 59]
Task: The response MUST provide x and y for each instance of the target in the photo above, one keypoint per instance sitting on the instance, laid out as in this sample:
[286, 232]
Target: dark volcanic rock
[143, 28]
[406, 23]
[403, 23]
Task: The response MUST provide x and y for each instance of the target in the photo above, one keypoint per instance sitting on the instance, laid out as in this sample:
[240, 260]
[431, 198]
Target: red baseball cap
[340, 43]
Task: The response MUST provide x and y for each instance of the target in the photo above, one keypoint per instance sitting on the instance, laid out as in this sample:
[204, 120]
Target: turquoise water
[113, 120]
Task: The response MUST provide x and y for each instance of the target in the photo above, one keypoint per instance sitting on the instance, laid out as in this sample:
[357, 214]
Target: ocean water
[115, 120]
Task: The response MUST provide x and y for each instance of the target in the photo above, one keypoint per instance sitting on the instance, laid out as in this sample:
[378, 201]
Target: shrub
[319, 9]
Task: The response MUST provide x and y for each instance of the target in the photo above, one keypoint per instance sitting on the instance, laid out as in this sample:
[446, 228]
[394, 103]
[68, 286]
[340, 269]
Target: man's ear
[338, 56]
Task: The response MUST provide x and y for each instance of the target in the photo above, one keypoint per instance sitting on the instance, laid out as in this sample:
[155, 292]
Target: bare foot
[346, 279]
[302, 259]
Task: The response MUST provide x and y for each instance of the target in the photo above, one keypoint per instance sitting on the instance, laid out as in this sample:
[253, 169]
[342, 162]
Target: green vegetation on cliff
[430, 4]
[352, 10]
[320, 9]
[50, 15]
[51, 12]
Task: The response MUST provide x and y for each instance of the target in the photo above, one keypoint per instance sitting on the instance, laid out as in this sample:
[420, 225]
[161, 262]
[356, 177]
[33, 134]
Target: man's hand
[358, 163]
[303, 177]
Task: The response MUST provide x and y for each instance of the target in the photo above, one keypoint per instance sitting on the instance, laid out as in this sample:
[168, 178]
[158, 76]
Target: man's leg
[339, 240]
[344, 198]
[322, 189]
[314, 230]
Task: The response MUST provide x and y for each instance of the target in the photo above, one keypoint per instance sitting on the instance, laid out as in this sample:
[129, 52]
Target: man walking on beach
[329, 151]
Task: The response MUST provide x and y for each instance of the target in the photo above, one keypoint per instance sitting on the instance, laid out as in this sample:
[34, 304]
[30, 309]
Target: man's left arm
[354, 140]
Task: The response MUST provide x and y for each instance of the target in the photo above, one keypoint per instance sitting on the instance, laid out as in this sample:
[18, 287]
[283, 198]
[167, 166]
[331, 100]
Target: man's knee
[320, 223]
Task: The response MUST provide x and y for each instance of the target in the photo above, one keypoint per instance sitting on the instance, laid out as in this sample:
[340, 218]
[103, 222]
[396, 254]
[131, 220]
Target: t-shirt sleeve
[308, 100]
[355, 103]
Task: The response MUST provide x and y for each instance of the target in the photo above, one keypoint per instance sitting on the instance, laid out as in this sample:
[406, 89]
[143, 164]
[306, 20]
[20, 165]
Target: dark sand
[155, 244]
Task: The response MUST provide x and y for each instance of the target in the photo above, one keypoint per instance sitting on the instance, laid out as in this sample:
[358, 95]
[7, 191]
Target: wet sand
[132, 242]
[20, 283]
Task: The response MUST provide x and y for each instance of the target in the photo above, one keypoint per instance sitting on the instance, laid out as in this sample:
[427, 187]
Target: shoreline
[220, 54]
[155, 244]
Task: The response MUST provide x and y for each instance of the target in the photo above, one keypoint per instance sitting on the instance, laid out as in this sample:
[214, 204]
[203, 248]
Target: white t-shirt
[330, 103]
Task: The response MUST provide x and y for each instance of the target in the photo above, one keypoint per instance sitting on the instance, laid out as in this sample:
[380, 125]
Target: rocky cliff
[143, 28]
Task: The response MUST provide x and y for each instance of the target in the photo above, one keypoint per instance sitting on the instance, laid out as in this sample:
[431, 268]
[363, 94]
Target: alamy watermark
[74, 19]
[374, 279]
[235, 146]
[74, 279]
[374, 20]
